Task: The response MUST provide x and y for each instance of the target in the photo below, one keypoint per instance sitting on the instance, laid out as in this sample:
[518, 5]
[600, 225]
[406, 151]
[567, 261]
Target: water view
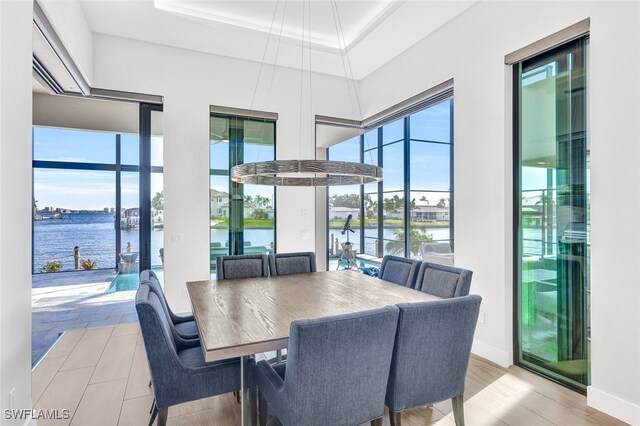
[94, 233]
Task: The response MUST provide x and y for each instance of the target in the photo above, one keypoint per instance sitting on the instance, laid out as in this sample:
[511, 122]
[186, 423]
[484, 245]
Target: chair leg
[149, 382]
[237, 395]
[395, 417]
[153, 405]
[458, 409]
[163, 414]
[253, 407]
[263, 406]
[154, 413]
[376, 422]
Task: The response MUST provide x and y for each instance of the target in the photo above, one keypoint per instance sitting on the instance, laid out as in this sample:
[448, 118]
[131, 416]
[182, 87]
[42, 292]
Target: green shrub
[87, 264]
[52, 266]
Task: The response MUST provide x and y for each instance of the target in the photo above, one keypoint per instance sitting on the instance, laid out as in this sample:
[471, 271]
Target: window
[242, 217]
[86, 190]
[413, 205]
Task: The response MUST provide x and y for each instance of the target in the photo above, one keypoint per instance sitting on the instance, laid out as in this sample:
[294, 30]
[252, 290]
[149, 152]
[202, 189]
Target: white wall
[471, 49]
[15, 204]
[190, 82]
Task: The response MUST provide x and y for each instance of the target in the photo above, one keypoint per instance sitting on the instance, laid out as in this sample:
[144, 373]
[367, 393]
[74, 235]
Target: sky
[429, 162]
[87, 189]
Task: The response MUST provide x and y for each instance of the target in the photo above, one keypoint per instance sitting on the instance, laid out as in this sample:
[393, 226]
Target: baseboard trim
[493, 354]
[614, 406]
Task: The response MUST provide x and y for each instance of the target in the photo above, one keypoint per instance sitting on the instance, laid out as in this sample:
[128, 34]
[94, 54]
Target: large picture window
[411, 211]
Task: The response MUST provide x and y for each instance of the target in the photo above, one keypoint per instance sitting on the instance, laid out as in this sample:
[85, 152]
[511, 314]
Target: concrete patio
[71, 300]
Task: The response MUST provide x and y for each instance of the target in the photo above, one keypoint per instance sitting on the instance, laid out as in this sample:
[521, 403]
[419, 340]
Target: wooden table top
[253, 315]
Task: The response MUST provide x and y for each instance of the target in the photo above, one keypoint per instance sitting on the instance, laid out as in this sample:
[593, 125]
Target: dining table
[248, 316]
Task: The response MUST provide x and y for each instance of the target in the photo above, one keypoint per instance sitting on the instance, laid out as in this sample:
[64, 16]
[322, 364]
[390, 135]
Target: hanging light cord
[346, 64]
[264, 54]
[273, 73]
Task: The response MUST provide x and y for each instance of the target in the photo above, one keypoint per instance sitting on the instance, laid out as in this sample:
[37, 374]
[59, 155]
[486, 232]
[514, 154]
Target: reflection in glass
[553, 215]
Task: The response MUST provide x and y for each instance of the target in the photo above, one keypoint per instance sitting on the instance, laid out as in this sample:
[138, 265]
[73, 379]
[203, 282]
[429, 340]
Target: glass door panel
[242, 217]
[552, 250]
[157, 193]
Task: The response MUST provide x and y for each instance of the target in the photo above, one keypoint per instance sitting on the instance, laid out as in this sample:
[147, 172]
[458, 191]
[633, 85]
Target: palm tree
[417, 236]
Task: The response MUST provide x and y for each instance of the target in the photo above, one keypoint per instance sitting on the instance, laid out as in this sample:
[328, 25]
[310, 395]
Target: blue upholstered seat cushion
[192, 357]
[243, 268]
[188, 329]
[440, 283]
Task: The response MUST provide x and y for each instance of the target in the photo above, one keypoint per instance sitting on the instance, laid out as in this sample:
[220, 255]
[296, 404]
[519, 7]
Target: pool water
[129, 282]
[124, 282]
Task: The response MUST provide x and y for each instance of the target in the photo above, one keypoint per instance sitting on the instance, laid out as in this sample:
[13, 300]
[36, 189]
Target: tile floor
[75, 300]
[100, 375]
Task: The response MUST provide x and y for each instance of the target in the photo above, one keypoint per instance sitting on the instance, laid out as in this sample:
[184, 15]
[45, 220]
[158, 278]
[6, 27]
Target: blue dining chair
[399, 270]
[348, 390]
[185, 326]
[443, 281]
[178, 370]
[292, 263]
[431, 355]
[242, 266]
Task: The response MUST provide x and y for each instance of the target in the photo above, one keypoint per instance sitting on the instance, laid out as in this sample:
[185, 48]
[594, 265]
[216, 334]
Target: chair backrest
[443, 281]
[399, 270]
[431, 352]
[338, 367]
[242, 266]
[158, 340]
[292, 263]
[149, 277]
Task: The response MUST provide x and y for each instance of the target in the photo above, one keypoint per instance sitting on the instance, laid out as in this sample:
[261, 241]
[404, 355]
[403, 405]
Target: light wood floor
[100, 375]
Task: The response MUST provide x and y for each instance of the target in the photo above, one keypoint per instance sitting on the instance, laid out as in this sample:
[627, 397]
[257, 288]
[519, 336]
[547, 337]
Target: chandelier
[306, 172]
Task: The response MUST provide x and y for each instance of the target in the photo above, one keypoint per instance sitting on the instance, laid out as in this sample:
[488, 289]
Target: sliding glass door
[242, 217]
[552, 214]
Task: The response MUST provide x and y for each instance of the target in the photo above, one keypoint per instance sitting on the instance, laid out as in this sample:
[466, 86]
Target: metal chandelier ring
[335, 173]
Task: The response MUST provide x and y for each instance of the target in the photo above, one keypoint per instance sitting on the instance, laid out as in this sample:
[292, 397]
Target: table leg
[248, 406]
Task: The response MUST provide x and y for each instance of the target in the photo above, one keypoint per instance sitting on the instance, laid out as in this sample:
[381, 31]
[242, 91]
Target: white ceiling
[372, 31]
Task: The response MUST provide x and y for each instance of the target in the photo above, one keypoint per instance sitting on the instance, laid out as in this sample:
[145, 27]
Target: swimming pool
[124, 282]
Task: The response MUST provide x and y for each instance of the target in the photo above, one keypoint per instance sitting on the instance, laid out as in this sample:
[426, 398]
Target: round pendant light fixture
[306, 173]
